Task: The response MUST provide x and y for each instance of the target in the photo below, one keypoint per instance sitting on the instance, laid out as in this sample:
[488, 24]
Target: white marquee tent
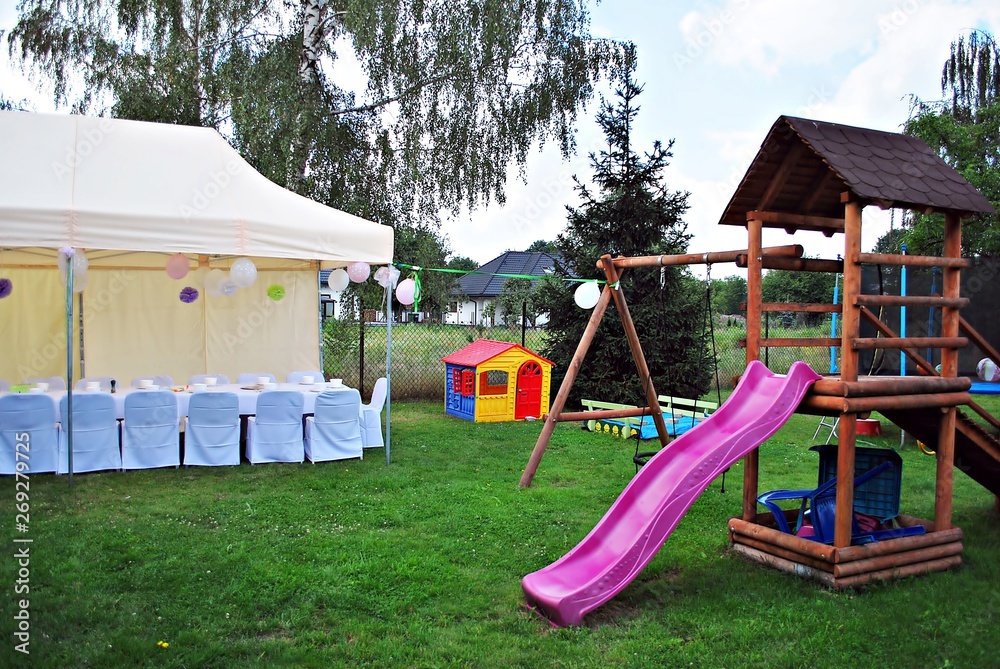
[130, 194]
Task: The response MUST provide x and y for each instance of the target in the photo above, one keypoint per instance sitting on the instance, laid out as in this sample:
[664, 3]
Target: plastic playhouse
[493, 381]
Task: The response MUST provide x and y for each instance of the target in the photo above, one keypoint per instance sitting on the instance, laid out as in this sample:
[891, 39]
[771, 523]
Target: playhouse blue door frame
[457, 403]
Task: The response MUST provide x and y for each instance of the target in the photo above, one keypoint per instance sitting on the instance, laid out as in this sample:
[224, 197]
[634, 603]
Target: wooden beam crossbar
[796, 264]
[788, 251]
[778, 219]
[910, 301]
[867, 343]
[912, 261]
[800, 307]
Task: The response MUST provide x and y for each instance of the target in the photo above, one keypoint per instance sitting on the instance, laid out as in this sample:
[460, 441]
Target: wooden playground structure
[817, 176]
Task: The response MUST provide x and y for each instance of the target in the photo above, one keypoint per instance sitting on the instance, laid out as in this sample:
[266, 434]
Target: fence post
[361, 356]
[524, 319]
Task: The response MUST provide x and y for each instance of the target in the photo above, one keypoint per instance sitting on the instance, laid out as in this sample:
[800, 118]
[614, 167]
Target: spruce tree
[631, 213]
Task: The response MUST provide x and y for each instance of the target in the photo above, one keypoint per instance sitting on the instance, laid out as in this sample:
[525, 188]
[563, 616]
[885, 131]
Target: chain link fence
[356, 351]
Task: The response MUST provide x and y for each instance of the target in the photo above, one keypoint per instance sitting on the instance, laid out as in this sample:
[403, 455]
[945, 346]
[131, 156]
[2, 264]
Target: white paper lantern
[228, 288]
[243, 272]
[988, 370]
[358, 272]
[338, 280]
[213, 281]
[405, 291]
[587, 295]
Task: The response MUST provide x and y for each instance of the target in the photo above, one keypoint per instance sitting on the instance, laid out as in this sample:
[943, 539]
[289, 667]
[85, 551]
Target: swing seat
[817, 512]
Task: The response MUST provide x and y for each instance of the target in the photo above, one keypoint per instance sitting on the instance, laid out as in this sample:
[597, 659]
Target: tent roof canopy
[117, 185]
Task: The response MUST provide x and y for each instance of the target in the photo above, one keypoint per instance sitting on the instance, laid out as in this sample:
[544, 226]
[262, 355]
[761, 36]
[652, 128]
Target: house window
[493, 382]
[468, 382]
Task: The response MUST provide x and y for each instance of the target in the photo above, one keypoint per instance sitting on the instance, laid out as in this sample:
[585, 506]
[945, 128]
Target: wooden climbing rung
[910, 301]
[912, 261]
[866, 343]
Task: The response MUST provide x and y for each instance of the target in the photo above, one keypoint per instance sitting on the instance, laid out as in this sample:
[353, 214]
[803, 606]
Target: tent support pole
[69, 365]
[388, 370]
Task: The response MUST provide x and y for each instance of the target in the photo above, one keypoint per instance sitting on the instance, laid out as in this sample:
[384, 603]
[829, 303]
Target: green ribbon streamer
[532, 277]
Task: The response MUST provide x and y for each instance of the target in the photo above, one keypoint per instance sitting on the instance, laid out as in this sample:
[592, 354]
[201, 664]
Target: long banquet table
[247, 396]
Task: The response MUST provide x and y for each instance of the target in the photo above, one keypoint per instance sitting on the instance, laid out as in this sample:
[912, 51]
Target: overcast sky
[717, 74]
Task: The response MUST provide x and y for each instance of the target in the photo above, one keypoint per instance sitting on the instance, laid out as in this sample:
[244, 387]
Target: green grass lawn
[355, 564]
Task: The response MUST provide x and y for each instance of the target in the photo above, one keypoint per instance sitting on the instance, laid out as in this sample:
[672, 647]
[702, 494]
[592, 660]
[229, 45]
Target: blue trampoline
[984, 388]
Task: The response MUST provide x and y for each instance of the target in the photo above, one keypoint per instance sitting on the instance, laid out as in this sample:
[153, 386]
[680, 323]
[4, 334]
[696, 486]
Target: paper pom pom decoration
[276, 292]
[358, 272]
[338, 280]
[988, 370]
[177, 266]
[587, 294]
[405, 291]
[243, 272]
[188, 294]
[6, 288]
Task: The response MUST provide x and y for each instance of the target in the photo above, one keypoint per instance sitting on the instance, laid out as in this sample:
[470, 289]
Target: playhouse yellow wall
[497, 408]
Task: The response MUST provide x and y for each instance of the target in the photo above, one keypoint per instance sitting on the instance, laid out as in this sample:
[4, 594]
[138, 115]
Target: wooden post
[652, 400]
[949, 369]
[751, 460]
[560, 401]
[850, 325]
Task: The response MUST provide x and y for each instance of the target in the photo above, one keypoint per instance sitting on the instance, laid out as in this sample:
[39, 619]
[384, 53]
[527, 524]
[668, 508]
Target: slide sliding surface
[648, 510]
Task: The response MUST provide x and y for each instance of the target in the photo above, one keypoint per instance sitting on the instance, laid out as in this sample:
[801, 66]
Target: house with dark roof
[476, 291]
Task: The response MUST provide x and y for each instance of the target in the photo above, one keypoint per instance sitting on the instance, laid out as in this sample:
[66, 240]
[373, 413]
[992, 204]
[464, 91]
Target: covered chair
[333, 432]
[817, 512]
[212, 432]
[371, 416]
[29, 433]
[296, 377]
[4, 385]
[55, 382]
[105, 382]
[95, 433]
[151, 430]
[251, 377]
[200, 378]
[158, 380]
[275, 433]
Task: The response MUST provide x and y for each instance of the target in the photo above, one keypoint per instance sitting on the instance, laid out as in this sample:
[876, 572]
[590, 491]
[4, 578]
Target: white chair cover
[250, 378]
[151, 430]
[95, 434]
[274, 434]
[200, 378]
[33, 416]
[55, 382]
[4, 385]
[157, 379]
[105, 382]
[212, 432]
[333, 432]
[296, 377]
[371, 416]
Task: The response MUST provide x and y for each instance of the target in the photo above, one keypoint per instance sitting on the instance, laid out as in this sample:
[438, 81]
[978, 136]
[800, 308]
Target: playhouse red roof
[482, 350]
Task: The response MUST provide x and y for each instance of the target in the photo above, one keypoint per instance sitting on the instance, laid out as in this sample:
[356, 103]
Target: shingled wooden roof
[804, 166]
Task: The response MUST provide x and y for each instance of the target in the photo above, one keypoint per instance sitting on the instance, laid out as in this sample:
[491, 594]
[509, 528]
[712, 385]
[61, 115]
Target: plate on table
[149, 387]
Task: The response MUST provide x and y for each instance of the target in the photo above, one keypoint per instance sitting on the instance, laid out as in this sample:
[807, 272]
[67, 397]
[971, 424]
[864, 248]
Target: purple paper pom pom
[188, 294]
[6, 288]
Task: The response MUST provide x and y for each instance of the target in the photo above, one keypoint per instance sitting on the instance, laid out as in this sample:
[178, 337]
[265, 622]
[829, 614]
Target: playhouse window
[468, 382]
[493, 382]
[456, 381]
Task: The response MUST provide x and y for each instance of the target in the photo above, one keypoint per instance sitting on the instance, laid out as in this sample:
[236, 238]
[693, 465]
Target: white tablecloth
[247, 398]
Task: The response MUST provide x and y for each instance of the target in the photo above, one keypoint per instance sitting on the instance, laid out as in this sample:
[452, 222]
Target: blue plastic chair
[371, 416]
[96, 439]
[151, 430]
[34, 416]
[275, 433]
[250, 378]
[296, 377]
[333, 432]
[212, 433]
[818, 507]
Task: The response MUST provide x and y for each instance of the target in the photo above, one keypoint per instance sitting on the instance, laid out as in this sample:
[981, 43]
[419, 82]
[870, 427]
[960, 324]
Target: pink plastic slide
[648, 510]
